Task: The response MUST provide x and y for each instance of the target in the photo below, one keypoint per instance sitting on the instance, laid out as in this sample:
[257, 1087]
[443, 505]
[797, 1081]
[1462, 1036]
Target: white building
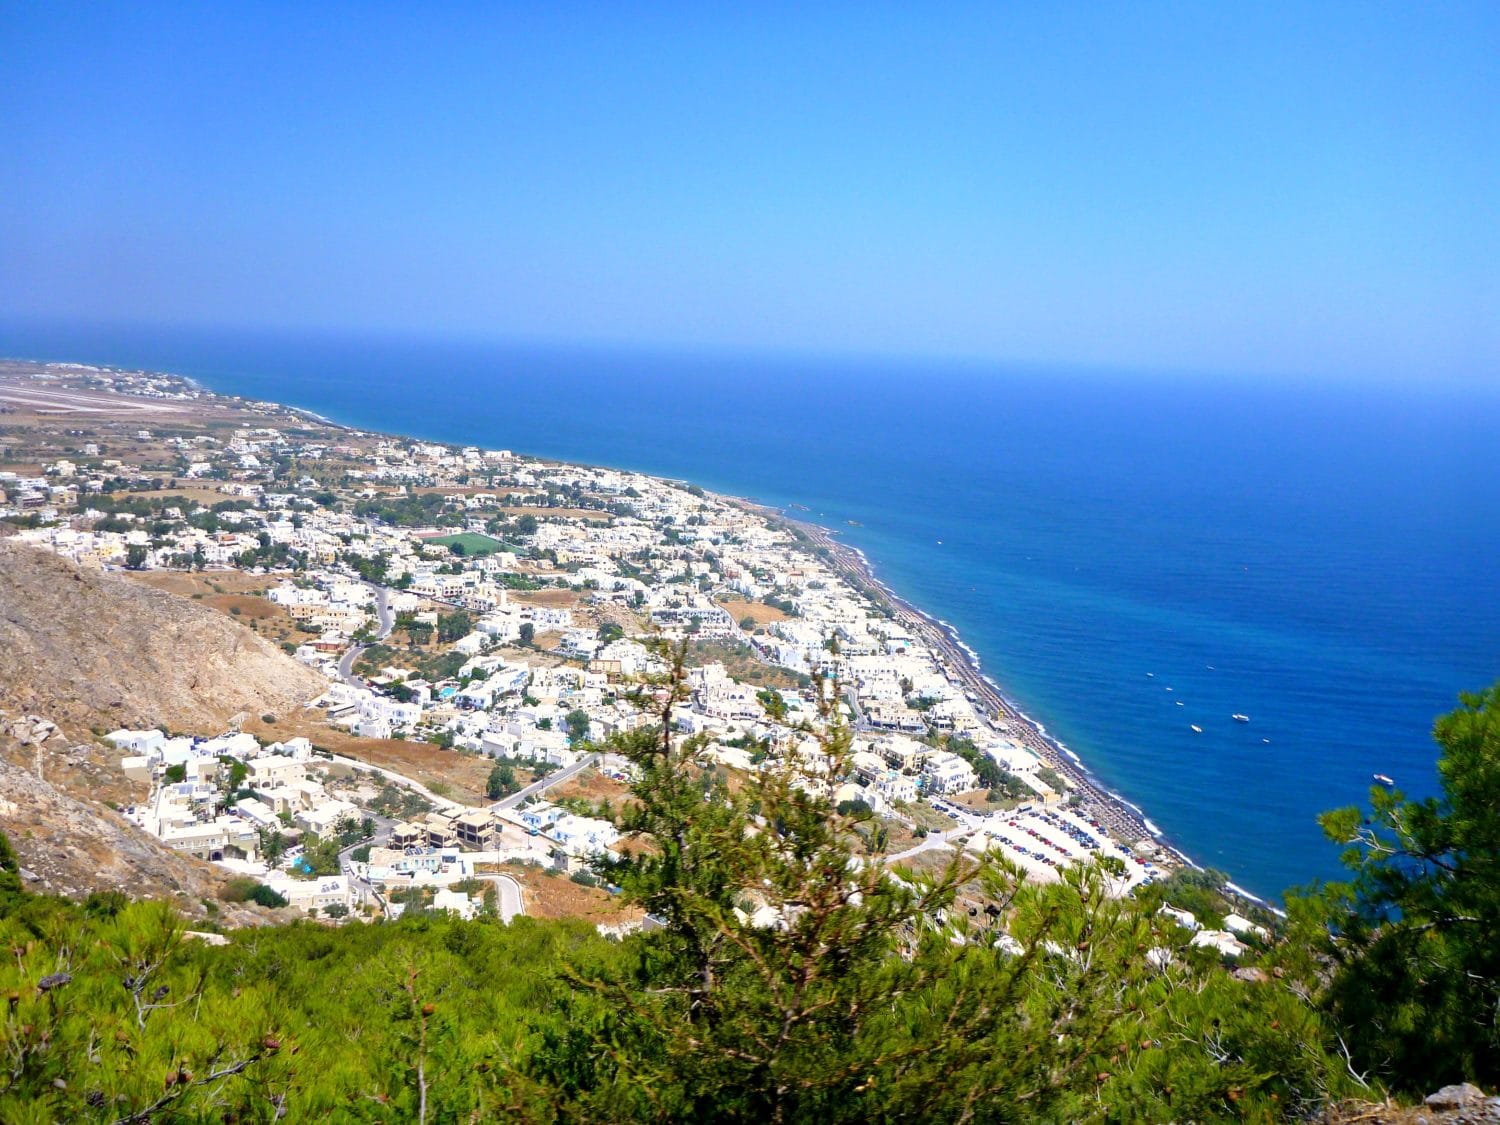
[945, 772]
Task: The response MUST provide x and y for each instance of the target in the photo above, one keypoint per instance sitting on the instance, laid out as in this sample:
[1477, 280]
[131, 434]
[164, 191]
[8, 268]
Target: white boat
[1237, 717]
[1196, 728]
[1385, 780]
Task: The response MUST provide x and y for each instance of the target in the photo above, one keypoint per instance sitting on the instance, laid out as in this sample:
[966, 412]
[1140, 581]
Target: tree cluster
[790, 975]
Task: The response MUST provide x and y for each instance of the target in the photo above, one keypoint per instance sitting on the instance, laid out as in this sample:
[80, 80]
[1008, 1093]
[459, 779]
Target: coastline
[1119, 816]
[1345, 676]
[1114, 811]
[301, 411]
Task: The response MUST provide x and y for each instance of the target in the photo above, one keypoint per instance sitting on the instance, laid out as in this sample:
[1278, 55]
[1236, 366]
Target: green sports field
[471, 543]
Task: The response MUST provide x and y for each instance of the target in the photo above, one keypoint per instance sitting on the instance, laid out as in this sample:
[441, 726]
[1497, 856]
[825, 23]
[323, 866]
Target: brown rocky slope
[73, 845]
[83, 651]
[88, 649]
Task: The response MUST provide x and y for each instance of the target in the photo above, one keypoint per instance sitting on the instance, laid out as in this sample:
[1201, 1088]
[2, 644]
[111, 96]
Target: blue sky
[1255, 188]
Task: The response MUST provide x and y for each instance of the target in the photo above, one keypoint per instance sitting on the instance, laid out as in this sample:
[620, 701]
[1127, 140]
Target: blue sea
[1128, 553]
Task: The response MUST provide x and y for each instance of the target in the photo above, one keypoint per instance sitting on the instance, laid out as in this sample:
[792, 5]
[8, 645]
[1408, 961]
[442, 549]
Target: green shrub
[265, 896]
[237, 889]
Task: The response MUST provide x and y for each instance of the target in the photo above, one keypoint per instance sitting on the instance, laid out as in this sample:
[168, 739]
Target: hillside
[88, 649]
[74, 846]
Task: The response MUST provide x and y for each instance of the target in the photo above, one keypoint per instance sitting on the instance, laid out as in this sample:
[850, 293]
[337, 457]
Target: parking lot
[1045, 840]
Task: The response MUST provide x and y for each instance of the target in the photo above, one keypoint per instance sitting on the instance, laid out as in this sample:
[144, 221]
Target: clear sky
[1286, 188]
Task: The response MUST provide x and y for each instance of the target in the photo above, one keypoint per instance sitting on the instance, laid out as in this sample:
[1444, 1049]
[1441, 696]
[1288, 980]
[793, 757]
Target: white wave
[1131, 805]
[1239, 890]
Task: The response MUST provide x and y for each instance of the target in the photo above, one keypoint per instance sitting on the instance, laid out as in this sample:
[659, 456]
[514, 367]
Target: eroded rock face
[1463, 1096]
[83, 650]
[70, 846]
[90, 649]
[32, 730]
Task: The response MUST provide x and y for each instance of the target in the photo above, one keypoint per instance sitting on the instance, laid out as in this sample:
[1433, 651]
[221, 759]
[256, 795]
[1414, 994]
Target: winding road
[510, 903]
[508, 891]
[387, 622]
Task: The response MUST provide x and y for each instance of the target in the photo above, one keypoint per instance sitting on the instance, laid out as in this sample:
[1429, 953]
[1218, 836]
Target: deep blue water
[1319, 557]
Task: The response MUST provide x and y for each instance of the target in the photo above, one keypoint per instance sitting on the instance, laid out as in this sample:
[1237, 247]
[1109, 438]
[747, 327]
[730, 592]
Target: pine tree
[794, 976]
[1405, 953]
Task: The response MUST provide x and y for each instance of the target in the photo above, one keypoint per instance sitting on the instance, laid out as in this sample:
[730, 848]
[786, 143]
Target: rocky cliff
[73, 845]
[82, 650]
[89, 649]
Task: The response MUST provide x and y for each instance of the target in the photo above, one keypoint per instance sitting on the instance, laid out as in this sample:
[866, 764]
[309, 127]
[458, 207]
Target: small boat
[1150, 675]
[1196, 728]
[1237, 717]
[1267, 741]
[1385, 780]
[1180, 703]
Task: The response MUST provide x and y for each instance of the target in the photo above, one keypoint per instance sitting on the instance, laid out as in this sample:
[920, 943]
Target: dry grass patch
[592, 786]
[208, 497]
[898, 837]
[762, 614]
[558, 513]
[246, 606]
[979, 801]
[231, 593]
[934, 861]
[444, 490]
[552, 599]
[462, 776]
[927, 816]
[549, 895]
[206, 582]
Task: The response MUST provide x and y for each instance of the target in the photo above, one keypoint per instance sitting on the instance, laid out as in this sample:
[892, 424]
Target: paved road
[386, 620]
[930, 842]
[383, 611]
[362, 887]
[852, 698]
[510, 902]
[346, 666]
[543, 784]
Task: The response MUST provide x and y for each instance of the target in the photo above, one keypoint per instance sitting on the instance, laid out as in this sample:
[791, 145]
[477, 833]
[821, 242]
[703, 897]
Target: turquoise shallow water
[1321, 559]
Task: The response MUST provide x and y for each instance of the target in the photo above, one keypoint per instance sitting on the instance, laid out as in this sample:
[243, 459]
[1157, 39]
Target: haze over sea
[1319, 557]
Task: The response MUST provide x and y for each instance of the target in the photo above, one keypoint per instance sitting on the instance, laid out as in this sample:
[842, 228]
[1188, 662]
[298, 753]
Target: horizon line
[973, 363]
